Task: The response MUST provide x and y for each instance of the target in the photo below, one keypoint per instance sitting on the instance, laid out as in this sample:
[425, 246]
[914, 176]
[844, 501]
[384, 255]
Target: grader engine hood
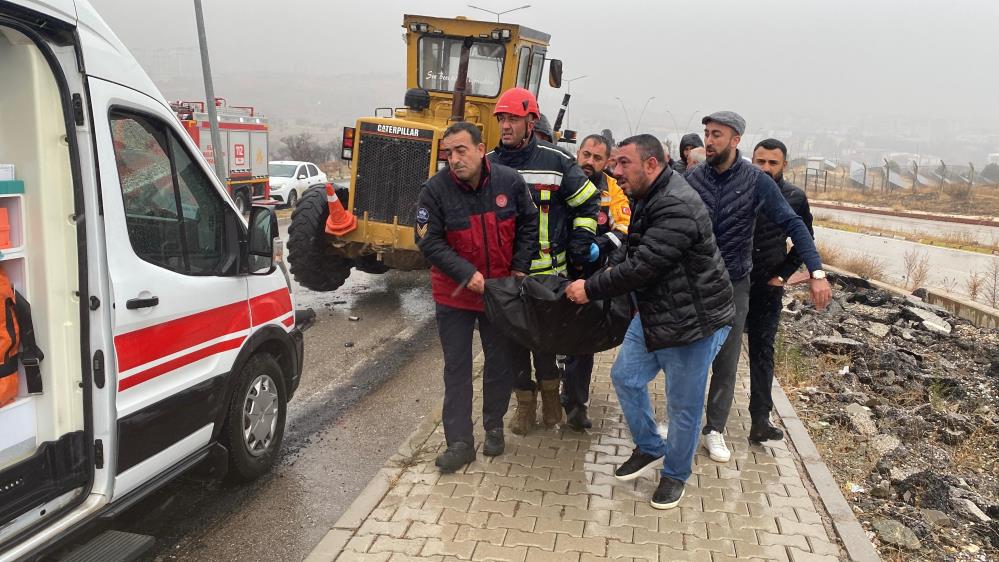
[393, 158]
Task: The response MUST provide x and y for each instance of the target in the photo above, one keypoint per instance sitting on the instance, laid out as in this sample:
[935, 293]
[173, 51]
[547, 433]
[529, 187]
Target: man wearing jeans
[671, 267]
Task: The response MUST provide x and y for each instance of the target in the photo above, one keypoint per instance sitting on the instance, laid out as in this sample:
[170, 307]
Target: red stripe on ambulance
[149, 344]
[179, 362]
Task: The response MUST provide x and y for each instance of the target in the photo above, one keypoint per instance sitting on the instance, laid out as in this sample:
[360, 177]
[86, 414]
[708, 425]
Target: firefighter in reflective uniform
[567, 228]
[612, 228]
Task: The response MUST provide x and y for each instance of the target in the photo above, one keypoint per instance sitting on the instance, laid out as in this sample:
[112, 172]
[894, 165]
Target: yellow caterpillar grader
[455, 70]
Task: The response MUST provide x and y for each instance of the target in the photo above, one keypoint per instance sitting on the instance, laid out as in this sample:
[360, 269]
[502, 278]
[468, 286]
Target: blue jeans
[686, 369]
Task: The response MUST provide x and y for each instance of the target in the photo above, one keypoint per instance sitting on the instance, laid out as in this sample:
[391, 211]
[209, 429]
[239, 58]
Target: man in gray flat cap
[735, 192]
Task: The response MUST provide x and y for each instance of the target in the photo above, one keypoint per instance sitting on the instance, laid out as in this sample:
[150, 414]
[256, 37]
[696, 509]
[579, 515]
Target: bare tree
[974, 285]
[917, 268]
[303, 147]
[992, 283]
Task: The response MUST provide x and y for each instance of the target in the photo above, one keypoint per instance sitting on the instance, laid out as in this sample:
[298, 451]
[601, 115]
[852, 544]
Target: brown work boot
[551, 405]
[527, 412]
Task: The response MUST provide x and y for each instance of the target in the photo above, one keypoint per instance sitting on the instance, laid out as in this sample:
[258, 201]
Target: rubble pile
[902, 400]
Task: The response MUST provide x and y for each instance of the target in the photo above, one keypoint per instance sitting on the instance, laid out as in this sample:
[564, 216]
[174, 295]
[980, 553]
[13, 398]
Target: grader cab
[455, 70]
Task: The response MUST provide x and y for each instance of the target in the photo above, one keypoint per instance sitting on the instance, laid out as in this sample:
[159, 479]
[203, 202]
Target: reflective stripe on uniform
[539, 177]
[543, 228]
[546, 195]
[584, 222]
[545, 265]
[544, 262]
[582, 195]
[614, 239]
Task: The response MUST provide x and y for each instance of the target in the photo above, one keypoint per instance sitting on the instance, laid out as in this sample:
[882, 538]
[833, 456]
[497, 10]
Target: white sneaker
[663, 430]
[714, 442]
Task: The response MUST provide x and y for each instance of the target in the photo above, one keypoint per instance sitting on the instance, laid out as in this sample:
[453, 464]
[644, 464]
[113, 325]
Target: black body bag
[535, 312]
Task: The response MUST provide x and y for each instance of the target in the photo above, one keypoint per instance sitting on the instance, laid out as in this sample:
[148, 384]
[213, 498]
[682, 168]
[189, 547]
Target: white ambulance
[165, 318]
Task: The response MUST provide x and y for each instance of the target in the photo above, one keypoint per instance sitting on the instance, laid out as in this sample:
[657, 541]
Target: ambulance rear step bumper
[112, 545]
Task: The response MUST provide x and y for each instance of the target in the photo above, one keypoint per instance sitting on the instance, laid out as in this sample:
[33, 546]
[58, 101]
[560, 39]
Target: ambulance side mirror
[260, 241]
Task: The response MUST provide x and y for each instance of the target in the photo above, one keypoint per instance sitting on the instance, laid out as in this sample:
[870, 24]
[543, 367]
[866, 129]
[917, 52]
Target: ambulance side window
[174, 215]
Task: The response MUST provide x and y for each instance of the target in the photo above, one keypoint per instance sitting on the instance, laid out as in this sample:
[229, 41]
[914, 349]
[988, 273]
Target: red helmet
[519, 102]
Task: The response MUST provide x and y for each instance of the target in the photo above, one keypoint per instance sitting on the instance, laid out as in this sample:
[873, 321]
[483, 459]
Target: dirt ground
[901, 399]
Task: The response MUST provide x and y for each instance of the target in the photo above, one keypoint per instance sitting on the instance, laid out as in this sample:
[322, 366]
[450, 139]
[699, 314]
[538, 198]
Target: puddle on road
[404, 292]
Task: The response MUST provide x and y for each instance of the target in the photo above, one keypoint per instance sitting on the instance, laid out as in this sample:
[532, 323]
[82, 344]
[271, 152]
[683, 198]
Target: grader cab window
[523, 63]
[439, 58]
[537, 65]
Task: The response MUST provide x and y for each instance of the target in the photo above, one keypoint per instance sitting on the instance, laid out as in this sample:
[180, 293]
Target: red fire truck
[243, 135]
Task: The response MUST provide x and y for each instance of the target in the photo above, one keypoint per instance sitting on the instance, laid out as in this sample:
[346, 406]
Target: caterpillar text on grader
[455, 70]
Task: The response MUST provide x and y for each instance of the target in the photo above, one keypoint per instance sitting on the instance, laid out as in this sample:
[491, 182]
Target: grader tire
[314, 263]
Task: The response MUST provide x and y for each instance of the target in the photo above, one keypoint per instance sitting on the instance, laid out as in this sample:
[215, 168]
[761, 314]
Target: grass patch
[979, 452]
[790, 365]
[863, 265]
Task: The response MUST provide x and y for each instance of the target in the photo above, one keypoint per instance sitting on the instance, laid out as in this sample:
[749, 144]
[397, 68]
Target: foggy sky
[778, 62]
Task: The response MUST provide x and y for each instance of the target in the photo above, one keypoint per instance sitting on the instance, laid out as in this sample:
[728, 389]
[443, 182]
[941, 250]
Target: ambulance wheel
[255, 424]
[314, 263]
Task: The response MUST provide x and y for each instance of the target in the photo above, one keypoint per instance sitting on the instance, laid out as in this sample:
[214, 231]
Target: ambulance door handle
[133, 304]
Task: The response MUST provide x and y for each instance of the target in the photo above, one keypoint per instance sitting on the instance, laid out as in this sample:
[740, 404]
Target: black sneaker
[455, 457]
[763, 430]
[576, 419]
[668, 494]
[634, 466]
[494, 445]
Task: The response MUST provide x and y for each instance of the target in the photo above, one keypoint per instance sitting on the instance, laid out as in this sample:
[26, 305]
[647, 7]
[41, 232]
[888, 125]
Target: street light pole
[686, 126]
[568, 92]
[498, 14]
[640, 115]
[627, 118]
[676, 130]
[213, 118]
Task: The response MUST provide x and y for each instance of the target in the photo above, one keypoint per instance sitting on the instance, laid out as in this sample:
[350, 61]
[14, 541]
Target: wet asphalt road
[353, 409]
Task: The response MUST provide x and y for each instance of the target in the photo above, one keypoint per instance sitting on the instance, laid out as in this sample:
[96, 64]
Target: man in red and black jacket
[475, 221]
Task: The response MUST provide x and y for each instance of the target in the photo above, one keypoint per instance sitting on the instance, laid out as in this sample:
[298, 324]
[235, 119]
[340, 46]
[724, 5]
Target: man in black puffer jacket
[772, 265]
[672, 268]
[736, 193]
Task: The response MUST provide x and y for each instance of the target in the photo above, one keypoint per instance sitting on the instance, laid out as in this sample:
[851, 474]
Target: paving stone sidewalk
[552, 497]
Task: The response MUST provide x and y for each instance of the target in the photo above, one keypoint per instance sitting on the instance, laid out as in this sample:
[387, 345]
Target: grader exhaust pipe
[458, 105]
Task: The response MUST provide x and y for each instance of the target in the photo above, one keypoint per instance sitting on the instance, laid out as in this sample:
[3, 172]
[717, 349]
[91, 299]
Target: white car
[290, 179]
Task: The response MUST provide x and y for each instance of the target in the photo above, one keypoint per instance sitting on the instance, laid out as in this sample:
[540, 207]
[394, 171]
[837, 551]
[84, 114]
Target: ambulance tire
[314, 262]
[261, 375]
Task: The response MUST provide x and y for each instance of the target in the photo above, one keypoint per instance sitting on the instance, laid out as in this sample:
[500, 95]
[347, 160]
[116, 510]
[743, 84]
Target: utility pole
[213, 118]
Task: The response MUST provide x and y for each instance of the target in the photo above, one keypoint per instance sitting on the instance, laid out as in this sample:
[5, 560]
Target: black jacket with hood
[690, 140]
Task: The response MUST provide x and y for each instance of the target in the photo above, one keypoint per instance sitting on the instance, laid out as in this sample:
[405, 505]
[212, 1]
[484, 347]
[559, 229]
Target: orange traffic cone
[341, 220]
